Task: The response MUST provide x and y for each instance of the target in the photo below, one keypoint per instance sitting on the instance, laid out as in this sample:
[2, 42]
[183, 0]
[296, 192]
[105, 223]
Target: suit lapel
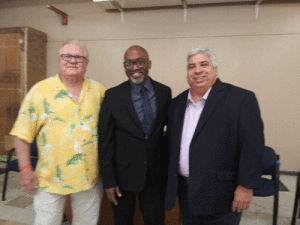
[211, 103]
[159, 104]
[179, 118]
[129, 105]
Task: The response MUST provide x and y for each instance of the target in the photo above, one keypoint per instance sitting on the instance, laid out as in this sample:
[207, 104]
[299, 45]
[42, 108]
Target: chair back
[269, 161]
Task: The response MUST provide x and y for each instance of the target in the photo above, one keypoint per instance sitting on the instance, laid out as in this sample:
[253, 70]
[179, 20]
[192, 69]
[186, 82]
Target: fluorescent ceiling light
[100, 0]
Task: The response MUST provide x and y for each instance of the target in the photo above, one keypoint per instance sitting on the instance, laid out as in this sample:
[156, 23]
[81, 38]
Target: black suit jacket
[226, 149]
[125, 154]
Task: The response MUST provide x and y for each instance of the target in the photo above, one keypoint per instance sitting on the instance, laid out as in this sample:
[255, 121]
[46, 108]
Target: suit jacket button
[145, 162]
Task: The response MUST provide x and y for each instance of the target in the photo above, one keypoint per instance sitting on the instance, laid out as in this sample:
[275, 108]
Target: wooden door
[10, 81]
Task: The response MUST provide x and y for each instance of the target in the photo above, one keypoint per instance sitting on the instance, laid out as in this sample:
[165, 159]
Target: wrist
[24, 167]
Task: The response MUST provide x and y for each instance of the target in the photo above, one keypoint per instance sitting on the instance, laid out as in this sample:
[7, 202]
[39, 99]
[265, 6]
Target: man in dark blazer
[132, 149]
[216, 143]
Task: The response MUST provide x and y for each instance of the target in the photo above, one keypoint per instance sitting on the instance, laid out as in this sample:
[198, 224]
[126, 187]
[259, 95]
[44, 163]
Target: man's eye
[140, 62]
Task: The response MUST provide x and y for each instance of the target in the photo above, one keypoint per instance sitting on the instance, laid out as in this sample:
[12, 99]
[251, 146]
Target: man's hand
[111, 194]
[242, 198]
[29, 180]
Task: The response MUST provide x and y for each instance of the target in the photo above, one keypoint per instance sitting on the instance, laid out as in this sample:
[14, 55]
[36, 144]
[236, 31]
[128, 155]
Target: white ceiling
[126, 3]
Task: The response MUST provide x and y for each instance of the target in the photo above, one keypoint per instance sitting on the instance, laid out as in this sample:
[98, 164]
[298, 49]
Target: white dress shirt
[191, 118]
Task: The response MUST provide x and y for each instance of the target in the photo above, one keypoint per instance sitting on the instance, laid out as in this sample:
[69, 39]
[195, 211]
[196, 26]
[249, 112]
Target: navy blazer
[226, 149]
[125, 155]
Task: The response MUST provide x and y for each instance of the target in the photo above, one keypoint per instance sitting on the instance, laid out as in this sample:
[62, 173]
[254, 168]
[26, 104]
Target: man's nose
[198, 69]
[135, 66]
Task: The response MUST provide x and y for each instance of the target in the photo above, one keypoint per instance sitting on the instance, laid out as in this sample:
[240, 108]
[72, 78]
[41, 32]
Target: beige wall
[261, 55]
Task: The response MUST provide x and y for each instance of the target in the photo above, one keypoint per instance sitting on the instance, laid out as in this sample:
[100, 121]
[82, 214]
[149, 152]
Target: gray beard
[135, 81]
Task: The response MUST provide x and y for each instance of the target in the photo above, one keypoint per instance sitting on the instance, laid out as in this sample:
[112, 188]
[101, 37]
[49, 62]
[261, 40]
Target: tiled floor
[261, 209]
[17, 209]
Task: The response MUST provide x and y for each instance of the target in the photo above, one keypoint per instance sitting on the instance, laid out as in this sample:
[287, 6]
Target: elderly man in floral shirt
[61, 112]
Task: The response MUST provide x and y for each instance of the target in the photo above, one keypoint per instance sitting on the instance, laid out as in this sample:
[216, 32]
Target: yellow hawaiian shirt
[66, 133]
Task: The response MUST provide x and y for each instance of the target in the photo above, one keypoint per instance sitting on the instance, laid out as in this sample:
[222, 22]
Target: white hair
[207, 51]
[75, 41]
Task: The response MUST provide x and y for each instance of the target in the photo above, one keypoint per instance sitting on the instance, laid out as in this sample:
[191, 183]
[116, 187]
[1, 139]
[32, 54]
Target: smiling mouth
[136, 74]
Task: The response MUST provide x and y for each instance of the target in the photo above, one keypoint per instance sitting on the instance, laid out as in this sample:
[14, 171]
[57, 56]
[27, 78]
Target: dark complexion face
[137, 74]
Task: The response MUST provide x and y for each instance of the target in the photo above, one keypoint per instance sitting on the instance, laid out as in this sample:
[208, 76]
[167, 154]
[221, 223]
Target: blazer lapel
[178, 118]
[212, 101]
[129, 105]
[159, 105]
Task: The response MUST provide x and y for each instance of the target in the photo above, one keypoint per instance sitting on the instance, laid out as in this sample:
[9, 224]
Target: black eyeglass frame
[130, 64]
[78, 58]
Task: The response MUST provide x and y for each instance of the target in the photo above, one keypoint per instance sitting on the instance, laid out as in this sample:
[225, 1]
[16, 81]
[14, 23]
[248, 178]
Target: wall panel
[261, 55]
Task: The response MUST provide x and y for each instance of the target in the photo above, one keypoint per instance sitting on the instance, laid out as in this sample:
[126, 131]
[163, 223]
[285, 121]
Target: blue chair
[297, 197]
[270, 187]
[13, 165]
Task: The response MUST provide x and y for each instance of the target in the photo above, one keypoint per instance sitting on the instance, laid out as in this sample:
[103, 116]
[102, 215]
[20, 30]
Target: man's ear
[150, 64]
[217, 72]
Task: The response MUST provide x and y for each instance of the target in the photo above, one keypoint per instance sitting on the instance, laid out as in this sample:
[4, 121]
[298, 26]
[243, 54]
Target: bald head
[136, 48]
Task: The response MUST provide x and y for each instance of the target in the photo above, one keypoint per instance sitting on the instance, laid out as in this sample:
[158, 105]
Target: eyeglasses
[139, 63]
[77, 58]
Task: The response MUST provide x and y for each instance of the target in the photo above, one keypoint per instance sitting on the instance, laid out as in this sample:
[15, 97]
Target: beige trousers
[49, 207]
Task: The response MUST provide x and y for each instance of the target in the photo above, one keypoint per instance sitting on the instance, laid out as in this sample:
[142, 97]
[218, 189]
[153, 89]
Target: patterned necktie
[148, 113]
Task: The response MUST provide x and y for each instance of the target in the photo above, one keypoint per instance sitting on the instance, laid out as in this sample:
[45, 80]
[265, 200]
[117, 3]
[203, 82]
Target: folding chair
[270, 187]
[297, 197]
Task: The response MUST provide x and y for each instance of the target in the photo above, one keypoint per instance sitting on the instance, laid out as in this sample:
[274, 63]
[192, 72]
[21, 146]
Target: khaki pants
[49, 207]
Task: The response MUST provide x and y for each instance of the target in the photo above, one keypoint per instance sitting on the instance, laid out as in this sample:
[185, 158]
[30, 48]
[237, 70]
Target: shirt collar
[57, 84]
[190, 99]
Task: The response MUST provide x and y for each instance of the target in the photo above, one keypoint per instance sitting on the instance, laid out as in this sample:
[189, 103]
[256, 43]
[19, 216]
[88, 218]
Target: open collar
[57, 84]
